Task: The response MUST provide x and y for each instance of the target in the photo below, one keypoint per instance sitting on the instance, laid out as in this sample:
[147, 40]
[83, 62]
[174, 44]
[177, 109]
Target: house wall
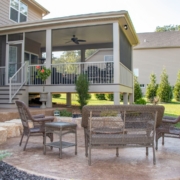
[99, 56]
[33, 13]
[153, 60]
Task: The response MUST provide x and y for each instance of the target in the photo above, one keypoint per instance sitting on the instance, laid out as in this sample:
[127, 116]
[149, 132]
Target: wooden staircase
[4, 97]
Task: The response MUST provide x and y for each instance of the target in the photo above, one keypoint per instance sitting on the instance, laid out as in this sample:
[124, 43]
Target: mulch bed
[8, 172]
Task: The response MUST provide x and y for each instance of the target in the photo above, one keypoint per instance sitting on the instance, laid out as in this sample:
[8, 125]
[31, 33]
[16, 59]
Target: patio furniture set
[106, 126]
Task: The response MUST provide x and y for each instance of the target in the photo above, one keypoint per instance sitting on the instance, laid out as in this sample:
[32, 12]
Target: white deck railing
[97, 73]
[2, 75]
[126, 76]
[17, 81]
[32, 73]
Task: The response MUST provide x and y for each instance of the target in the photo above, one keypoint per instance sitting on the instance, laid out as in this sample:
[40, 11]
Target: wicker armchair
[38, 123]
[115, 126]
[167, 129]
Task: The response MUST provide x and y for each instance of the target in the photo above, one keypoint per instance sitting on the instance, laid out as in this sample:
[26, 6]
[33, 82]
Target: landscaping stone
[8, 172]
[19, 123]
[12, 129]
[3, 135]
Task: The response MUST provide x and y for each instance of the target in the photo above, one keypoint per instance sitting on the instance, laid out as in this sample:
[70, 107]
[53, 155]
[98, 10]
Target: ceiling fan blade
[67, 42]
[81, 40]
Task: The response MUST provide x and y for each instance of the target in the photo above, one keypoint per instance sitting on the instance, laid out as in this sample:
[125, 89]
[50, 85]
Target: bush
[56, 95]
[109, 97]
[65, 113]
[100, 96]
[164, 91]
[140, 101]
[82, 88]
[176, 90]
[151, 88]
[137, 90]
[4, 154]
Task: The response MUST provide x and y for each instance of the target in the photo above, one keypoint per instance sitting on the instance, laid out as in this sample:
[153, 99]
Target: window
[136, 72]
[142, 85]
[108, 58]
[18, 11]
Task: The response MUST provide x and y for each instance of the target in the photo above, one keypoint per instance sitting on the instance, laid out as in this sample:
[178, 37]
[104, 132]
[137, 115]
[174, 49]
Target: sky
[146, 15]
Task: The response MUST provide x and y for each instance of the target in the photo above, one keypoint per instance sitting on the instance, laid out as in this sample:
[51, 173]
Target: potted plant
[43, 73]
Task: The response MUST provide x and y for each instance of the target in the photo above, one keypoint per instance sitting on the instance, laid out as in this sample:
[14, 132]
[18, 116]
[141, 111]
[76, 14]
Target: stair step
[8, 105]
[5, 95]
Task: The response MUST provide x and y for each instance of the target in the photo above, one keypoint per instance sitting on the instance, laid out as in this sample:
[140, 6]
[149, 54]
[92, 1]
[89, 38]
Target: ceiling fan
[76, 40]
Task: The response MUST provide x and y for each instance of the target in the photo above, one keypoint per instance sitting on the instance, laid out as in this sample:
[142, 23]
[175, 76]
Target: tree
[151, 88]
[164, 91]
[177, 88]
[137, 90]
[82, 88]
[168, 28]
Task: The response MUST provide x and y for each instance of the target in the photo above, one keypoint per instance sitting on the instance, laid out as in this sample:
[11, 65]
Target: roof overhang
[41, 8]
[122, 17]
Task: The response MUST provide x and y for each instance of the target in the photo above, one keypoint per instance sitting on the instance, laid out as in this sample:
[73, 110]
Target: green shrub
[100, 96]
[151, 88]
[164, 91]
[109, 97]
[176, 90]
[56, 95]
[65, 113]
[4, 154]
[137, 90]
[82, 88]
[140, 101]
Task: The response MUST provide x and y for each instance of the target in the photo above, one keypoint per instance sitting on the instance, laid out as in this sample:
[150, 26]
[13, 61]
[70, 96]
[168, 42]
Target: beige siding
[33, 13]
[153, 60]
[99, 56]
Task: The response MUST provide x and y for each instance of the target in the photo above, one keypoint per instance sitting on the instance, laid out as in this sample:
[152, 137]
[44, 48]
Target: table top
[60, 124]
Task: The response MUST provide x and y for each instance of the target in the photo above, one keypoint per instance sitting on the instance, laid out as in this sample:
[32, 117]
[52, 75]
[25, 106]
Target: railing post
[10, 91]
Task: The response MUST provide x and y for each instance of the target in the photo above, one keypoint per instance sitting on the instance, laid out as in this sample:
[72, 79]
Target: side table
[60, 128]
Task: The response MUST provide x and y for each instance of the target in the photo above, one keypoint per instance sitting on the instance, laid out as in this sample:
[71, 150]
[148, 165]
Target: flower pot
[43, 99]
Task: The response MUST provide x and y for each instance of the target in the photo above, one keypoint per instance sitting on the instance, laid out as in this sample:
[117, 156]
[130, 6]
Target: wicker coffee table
[60, 128]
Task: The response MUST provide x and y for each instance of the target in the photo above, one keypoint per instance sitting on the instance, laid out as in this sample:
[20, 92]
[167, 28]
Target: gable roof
[158, 39]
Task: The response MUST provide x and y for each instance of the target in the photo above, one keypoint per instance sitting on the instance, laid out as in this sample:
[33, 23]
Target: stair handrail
[17, 87]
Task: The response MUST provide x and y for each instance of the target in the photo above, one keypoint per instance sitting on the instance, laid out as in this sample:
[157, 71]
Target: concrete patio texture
[132, 163]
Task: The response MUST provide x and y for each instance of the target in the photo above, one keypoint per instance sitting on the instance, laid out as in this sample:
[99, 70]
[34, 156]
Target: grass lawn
[171, 109]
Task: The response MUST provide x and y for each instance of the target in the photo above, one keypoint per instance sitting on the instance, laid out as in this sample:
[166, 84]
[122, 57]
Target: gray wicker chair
[38, 123]
[104, 128]
[167, 129]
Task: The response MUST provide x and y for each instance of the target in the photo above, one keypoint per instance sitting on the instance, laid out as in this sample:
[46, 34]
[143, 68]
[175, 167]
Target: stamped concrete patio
[132, 163]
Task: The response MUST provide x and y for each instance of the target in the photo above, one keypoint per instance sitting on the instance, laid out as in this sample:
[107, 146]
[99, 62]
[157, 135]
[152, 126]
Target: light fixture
[125, 26]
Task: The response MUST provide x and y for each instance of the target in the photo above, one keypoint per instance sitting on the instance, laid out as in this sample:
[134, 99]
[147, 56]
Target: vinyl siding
[99, 56]
[153, 60]
[33, 13]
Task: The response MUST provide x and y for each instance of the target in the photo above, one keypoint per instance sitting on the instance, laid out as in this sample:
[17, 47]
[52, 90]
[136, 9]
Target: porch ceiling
[98, 34]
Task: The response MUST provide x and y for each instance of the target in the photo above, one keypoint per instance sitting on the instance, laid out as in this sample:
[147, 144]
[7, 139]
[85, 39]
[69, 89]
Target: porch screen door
[14, 58]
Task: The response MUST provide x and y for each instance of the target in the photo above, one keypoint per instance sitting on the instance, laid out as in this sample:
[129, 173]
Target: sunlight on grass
[171, 109]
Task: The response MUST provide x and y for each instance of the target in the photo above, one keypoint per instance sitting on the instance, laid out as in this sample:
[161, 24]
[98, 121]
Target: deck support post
[125, 98]
[68, 99]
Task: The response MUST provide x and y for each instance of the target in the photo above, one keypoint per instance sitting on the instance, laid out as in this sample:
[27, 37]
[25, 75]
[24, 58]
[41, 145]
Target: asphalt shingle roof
[158, 39]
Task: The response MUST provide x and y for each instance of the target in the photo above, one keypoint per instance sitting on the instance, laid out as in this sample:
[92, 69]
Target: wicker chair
[119, 126]
[167, 129]
[38, 123]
